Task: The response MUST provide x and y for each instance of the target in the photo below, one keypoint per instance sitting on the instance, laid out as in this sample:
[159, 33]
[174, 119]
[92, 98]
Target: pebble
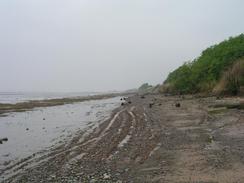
[151, 104]
[117, 174]
[3, 140]
[93, 180]
[177, 105]
[106, 176]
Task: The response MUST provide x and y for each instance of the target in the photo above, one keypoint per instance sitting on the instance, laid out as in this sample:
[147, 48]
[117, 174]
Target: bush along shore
[218, 70]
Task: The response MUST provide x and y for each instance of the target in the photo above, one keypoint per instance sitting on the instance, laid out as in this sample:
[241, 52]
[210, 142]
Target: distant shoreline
[25, 106]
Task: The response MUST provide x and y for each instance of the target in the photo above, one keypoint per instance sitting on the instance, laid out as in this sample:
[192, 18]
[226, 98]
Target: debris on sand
[151, 104]
[106, 176]
[177, 105]
[3, 140]
[210, 139]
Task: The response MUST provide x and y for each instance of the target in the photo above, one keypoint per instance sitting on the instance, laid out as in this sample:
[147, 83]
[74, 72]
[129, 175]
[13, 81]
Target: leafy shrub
[203, 73]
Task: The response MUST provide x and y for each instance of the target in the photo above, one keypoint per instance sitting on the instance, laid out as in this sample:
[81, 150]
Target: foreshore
[24, 106]
[150, 138]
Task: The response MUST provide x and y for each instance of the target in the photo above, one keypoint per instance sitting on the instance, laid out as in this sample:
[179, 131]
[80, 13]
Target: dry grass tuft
[232, 80]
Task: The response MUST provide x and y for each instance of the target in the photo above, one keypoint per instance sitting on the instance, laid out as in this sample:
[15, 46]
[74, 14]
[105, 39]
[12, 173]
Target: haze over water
[16, 97]
[83, 45]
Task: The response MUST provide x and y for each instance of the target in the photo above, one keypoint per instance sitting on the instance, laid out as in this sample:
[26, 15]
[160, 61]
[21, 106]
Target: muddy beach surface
[149, 139]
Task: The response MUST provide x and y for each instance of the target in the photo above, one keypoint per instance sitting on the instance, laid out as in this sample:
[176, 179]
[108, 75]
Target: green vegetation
[221, 63]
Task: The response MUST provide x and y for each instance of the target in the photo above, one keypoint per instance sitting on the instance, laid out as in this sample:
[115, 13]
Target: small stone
[93, 180]
[27, 129]
[106, 176]
[151, 104]
[177, 105]
[53, 176]
[5, 139]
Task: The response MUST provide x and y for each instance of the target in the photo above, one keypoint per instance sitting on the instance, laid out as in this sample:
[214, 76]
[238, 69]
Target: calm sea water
[16, 97]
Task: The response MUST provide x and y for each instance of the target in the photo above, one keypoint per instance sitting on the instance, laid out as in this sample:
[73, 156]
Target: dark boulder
[151, 104]
[5, 139]
[177, 105]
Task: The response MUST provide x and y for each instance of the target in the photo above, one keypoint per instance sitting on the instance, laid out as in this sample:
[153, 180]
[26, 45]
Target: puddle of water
[33, 131]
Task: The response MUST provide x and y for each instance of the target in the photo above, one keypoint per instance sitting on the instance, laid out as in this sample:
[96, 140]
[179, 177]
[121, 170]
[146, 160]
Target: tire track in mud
[101, 144]
[114, 133]
[74, 151]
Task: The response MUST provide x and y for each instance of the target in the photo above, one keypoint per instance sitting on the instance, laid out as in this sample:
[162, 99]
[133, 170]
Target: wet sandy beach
[150, 140]
[33, 133]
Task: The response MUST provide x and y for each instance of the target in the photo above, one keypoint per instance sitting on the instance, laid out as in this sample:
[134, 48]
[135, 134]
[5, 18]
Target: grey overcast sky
[100, 45]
